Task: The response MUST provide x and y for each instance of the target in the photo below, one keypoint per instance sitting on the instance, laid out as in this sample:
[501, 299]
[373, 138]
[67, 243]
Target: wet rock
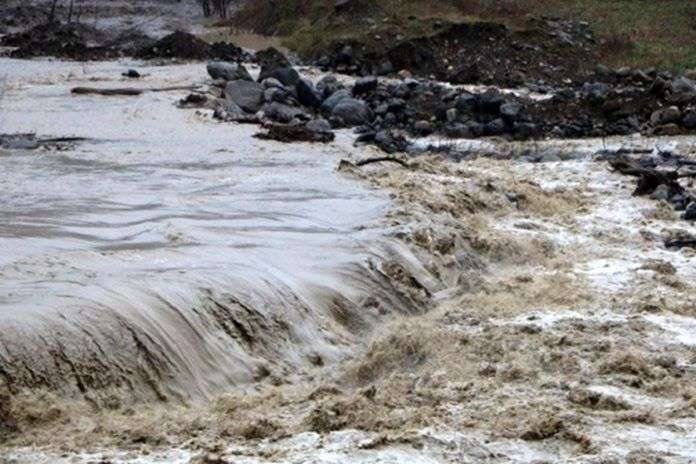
[248, 95]
[132, 74]
[690, 212]
[276, 94]
[274, 64]
[228, 71]
[282, 113]
[331, 102]
[319, 125]
[328, 85]
[510, 111]
[352, 112]
[423, 127]
[365, 85]
[664, 116]
[179, 44]
[8, 423]
[270, 83]
[662, 192]
[689, 120]
[226, 110]
[683, 85]
[307, 95]
[297, 133]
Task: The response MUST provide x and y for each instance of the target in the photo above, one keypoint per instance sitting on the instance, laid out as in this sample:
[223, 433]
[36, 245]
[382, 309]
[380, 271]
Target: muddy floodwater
[130, 254]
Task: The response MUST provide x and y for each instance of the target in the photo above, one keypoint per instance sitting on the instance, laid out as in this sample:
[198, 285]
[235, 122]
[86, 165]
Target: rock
[275, 94]
[319, 125]
[331, 102]
[452, 115]
[227, 110]
[287, 76]
[228, 71]
[457, 131]
[269, 60]
[423, 127]
[510, 111]
[365, 85]
[489, 101]
[667, 115]
[295, 133]
[595, 90]
[353, 112]
[689, 120]
[248, 95]
[684, 85]
[271, 83]
[8, 423]
[495, 127]
[328, 85]
[690, 74]
[282, 113]
[690, 212]
[465, 103]
[662, 192]
[667, 130]
[307, 95]
[132, 74]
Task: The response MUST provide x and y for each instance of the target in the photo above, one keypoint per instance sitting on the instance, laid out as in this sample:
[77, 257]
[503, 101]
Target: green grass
[634, 33]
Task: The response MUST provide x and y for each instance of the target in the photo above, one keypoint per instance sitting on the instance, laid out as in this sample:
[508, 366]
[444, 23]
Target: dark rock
[457, 131]
[328, 85]
[667, 115]
[596, 90]
[489, 101]
[331, 102]
[132, 74]
[228, 71]
[423, 127]
[353, 112]
[229, 111]
[274, 64]
[690, 212]
[178, 44]
[307, 95]
[276, 94]
[365, 85]
[510, 111]
[295, 133]
[248, 95]
[689, 120]
[270, 83]
[319, 125]
[282, 113]
[465, 103]
[684, 85]
[495, 127]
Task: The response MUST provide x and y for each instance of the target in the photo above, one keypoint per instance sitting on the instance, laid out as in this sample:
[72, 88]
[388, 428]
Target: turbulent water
[168, 255]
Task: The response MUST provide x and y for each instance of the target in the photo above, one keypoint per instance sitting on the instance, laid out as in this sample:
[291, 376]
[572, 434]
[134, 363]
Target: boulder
[319, 125]
[274, 64]
[271, 83]
[690, 212]
[689, 120]
[228, 71]
[307, 95]
[282, 113]
[365, 85]
[352, 112]
[227, 110]
[423, 127]
[683, 85]
[248, 95]
[510, 111]
[287, 76]
[667, 115]
[328, 85]
[331, 102]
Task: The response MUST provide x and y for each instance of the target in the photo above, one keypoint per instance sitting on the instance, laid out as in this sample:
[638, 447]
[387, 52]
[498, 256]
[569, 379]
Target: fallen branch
[129, 92]
[381, 159]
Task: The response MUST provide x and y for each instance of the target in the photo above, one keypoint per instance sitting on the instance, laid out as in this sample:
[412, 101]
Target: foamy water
[167, 243]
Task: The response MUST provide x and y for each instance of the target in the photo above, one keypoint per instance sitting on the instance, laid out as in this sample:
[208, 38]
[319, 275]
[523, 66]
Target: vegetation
[636, 33]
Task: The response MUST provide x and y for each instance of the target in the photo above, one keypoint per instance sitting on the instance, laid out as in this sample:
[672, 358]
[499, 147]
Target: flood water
[167, 245]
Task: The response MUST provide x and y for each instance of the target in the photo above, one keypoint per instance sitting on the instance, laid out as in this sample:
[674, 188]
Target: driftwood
[382, 159]
[648, 178]
[681, 243]
[129, 92]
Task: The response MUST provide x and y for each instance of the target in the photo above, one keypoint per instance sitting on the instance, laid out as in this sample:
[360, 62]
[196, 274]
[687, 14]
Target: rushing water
[169, 255]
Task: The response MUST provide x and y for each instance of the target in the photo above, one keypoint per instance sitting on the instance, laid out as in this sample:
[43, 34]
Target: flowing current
[170, 256]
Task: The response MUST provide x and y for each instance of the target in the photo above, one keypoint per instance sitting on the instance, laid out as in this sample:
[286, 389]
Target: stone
[690, 212]
[667, 115]
[270, 83]
[328, 85]
[247, 94]
[451, 115]
[132, 74]
[510, 111]
[365, 85]
[661, 193]
[684, 85]
[307, 95]
[689, 120]
[319, 125]
[423, 127]
[282, 113]
[228, 71]
[353, 112]
[331, 102]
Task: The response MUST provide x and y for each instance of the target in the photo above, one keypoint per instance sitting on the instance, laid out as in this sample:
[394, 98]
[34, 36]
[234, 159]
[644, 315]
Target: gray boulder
[271, 83]
[667, 115]
[683, 85]
[328, 85]
[247, 94]
[282, 113]
[319, 126]
[307, 95]
[331, 102]
[365, 85]
[228, 71]
[286, 76]
[352, 112]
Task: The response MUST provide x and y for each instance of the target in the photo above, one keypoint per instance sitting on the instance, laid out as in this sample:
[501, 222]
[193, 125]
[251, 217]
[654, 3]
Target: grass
[634, 33]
